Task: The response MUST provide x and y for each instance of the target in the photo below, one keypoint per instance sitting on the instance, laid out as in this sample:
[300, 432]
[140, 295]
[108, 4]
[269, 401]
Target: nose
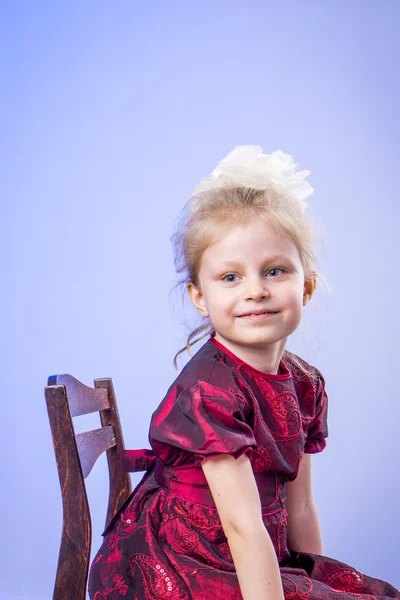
[256, 288]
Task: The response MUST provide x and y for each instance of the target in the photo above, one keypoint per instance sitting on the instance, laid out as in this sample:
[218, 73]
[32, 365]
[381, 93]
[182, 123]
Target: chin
[255, 340]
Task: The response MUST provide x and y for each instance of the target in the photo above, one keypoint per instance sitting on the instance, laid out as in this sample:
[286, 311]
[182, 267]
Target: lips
[258, 312]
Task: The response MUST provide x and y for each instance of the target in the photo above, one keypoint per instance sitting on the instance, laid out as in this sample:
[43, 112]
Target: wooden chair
[66, 397]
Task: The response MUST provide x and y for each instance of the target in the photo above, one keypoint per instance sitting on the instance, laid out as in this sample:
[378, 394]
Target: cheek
[217, 304]
[295, 313]
[295, 303]
[293, 295]
[221, 300]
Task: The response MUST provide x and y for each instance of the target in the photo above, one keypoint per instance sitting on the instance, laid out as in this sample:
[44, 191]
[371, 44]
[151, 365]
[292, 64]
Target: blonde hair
[219, 208]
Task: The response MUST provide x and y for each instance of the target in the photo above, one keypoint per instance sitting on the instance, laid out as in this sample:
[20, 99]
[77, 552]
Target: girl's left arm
[304, 533]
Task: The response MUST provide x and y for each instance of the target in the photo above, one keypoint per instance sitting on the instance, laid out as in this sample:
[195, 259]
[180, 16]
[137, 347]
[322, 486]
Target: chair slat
[73, 561]
[93, 443]
[120, 481]
[82, 399]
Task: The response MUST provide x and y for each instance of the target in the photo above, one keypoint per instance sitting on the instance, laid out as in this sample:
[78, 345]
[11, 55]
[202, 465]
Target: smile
[259, 316]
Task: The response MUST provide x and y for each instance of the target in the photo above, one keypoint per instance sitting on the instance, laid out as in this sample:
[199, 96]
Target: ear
[309, 287]
[197, 298]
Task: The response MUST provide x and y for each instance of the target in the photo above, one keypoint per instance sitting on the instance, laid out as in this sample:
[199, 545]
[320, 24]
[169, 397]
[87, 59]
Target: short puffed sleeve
[199, 422]
[318, 428]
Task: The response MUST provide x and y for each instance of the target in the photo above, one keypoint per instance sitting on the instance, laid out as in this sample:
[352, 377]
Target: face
[252, 268]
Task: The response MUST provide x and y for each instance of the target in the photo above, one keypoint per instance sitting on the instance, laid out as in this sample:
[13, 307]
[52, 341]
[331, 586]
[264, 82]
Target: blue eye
[229, 275]
[275, 271]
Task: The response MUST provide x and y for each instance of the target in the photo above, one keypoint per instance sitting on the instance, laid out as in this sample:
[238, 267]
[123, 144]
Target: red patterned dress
[167, 541]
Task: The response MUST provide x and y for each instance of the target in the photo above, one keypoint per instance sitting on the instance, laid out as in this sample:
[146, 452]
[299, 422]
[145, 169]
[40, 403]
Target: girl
[225, 508]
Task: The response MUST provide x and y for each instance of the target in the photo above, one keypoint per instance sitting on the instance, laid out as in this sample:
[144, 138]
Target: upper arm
[234, 491]
[299, 491]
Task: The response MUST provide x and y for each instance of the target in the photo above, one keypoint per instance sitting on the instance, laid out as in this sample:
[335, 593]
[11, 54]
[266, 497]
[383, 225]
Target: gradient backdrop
[111, 113]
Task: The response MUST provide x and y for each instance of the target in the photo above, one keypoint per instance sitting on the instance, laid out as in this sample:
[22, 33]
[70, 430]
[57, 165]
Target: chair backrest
[66, 397]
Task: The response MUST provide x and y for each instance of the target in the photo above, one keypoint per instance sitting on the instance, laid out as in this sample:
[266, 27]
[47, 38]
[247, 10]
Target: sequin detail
[347, 580]
[157, 579]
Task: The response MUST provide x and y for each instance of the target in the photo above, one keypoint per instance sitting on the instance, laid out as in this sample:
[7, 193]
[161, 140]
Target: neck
[265, 358]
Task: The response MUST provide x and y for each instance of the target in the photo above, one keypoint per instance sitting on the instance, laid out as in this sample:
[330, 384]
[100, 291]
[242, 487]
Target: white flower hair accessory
[247, 166]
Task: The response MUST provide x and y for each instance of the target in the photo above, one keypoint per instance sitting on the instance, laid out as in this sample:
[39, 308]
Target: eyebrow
[270, 259]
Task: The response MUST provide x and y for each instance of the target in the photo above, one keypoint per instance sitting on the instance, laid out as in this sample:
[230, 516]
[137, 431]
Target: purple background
[111, 113]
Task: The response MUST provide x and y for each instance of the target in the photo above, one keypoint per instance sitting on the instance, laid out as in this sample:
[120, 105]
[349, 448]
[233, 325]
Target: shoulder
[206, 382]
[208, 366]
[201, 365]
[303, 373]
